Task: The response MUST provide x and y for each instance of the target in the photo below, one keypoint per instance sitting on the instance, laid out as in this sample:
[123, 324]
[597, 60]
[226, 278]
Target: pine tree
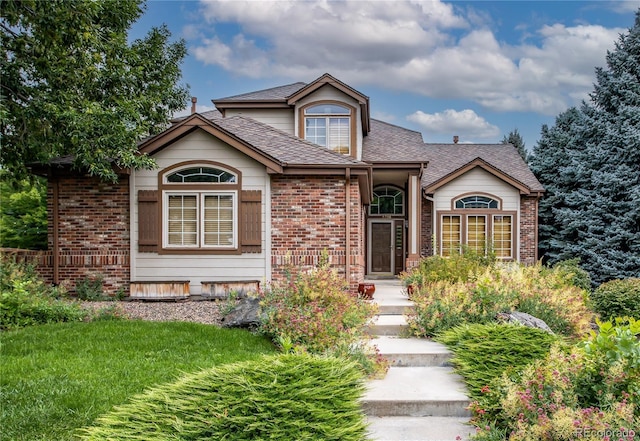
[514, 138]
[592, 172]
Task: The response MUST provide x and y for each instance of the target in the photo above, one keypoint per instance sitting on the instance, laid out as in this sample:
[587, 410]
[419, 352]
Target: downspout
[347, 266]
[56, 243]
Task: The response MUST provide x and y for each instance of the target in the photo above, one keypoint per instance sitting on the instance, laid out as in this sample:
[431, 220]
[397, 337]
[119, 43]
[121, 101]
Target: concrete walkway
[420, 398]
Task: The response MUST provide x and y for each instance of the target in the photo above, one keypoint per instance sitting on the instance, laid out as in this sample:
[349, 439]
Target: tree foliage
[589, 163]
[514, 138]
[23, 213]
[72, 84]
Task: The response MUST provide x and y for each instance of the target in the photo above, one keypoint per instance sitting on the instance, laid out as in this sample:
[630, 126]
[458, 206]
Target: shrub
[589, 392]
[617, 298]
[26, 300]
[315, 312]
[542, 292]
[283, 397]
[90, 288]
[455, 268]
[574, 274]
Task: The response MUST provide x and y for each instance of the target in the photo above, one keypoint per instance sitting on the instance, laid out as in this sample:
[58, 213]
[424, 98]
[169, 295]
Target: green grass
[59, 377]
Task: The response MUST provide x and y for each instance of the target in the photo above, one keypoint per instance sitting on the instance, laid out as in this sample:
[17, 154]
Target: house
[274, 179]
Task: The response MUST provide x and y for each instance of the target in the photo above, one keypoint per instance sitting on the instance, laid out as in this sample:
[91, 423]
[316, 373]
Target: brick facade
[93, 230]
[528, 229]
[308, 218]
[426, 228]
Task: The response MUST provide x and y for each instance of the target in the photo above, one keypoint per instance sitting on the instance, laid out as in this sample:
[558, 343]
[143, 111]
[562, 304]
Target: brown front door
[381, 247]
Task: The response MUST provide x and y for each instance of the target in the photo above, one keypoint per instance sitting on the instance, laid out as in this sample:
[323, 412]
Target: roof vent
[455, 139]
[194, 100]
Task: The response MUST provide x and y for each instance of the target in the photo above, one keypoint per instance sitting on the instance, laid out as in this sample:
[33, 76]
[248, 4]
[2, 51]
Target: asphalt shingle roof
[284, 148]
[272, 94]
[390, 143]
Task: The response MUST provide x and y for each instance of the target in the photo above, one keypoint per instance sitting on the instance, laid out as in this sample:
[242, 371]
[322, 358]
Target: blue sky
[477, 69]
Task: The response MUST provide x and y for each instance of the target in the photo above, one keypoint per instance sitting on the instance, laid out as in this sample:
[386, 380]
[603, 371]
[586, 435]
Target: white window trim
[200, 239]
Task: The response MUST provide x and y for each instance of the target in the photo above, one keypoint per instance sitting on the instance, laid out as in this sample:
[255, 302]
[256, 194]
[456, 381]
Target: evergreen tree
[516, 140]
[72, 84]
[591, 169]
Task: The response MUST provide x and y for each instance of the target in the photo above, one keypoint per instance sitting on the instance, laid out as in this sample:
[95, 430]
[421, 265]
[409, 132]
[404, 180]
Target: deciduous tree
[72, 83]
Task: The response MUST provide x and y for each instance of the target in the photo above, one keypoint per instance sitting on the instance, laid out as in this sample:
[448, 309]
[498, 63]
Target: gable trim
[478, 162]
[195, 122]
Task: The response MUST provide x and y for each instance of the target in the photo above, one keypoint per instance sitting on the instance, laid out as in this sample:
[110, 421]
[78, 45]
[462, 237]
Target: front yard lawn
[56, 378]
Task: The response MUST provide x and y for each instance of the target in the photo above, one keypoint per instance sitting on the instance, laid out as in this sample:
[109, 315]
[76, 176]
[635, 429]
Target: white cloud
[424, 47]
[465, 123]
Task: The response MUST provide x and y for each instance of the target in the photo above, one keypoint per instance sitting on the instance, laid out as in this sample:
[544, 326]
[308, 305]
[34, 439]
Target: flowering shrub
[315, 312]
[590, 392]
[545, 293]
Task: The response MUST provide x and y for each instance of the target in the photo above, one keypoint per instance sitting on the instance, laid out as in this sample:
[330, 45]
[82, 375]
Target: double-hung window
[329, 125]
[200, 209]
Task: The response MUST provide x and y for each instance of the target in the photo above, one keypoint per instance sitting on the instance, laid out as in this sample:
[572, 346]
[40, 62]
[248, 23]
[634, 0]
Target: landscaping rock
[524, 319]
[246, 314]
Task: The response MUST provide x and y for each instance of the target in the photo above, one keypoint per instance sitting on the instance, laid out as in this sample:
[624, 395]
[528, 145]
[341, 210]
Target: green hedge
[285, 397]
[617, 298]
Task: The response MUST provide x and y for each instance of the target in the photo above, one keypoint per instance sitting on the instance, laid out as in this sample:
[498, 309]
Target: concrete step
[419, 428]
[388, 325]
[396, 308]
[412, 352]
[416, 392]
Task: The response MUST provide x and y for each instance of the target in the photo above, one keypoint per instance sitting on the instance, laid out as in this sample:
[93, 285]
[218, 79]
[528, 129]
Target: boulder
[246, 314]
[524, 319]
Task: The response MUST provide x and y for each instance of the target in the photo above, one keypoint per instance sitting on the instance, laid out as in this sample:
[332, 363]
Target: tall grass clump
[316, 313]
[447, 299]
[285, 397]
[26, 300]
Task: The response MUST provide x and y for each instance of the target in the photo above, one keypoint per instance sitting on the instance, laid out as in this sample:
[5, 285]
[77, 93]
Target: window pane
[477, 233]
[387, 200]
[339, 135]
[450, 235]
[218, 220]
[202, 174]
[502, 240]
[327, 109]
[316, 131]
[183, 220]
[476, 202]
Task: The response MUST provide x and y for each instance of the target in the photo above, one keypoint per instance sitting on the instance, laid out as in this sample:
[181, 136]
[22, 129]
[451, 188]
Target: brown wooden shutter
[148, 221]
[251, 221]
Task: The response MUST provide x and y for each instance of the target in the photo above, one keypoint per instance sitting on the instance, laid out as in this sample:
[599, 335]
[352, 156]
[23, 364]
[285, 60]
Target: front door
[381, 250]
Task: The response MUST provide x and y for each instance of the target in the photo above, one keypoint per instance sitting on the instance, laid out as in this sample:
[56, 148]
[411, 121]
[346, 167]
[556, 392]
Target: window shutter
[251, 221]
[148, 221]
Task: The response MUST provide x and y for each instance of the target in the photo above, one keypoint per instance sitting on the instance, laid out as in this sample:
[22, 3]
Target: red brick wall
[426, 228]
[528, 229]
[93, 230]
[308, 217]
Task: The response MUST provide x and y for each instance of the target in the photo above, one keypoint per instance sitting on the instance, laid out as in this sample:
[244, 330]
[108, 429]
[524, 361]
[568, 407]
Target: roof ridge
[260, 91]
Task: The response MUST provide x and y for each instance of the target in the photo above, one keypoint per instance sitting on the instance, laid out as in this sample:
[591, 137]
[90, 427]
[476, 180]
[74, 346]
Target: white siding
[477, 180]
[281, 119]
[154, 267]
[332, 94]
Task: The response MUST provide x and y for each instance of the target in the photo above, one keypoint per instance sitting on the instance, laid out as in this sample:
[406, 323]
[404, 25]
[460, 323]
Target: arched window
[477, 222]
[202, 174]
[329, 125]
[477, 201]
[387, 200]
[200, 207]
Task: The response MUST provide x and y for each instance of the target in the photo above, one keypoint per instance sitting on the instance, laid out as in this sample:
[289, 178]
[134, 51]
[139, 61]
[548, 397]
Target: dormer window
[329, 125]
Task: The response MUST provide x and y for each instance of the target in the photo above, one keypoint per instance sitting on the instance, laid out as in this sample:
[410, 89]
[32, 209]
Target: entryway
[386, 247]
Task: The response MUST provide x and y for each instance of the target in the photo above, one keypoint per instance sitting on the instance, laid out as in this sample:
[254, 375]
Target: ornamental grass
[285, 397]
